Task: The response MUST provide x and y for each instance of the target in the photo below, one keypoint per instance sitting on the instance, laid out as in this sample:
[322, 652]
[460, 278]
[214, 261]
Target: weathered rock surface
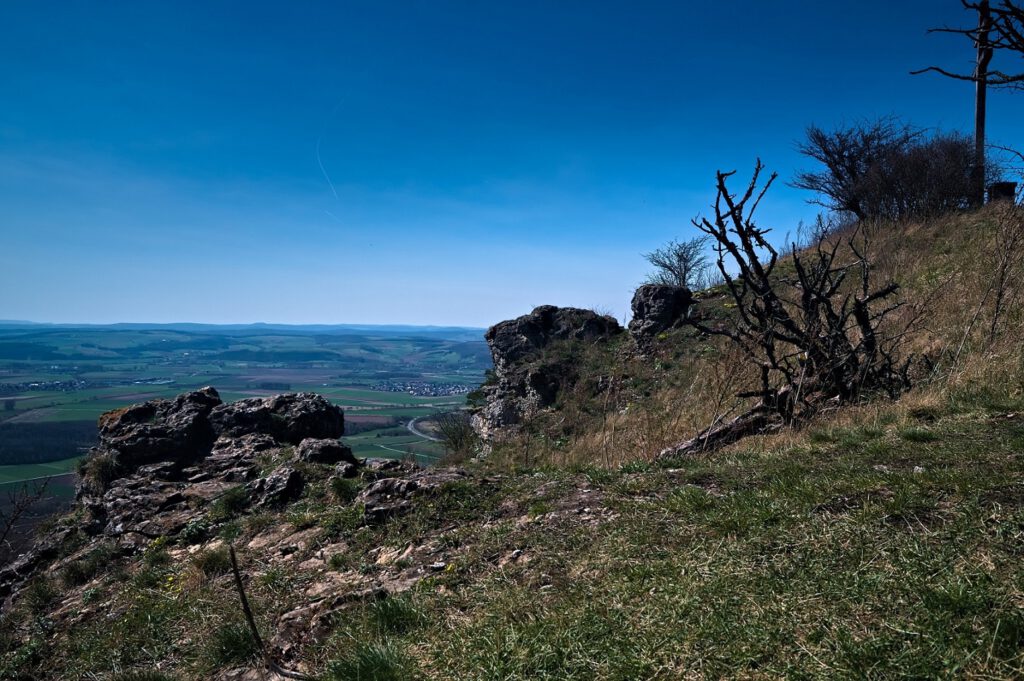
[282, 486]
[322, 450]
[658, 308]
[160, 464]
[515, 340]
[160, 430]
[392, 496]
[288, 418]
[527, 377]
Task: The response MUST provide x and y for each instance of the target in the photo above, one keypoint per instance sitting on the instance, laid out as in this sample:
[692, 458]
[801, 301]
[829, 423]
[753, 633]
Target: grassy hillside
[956, 334]
[881, 540]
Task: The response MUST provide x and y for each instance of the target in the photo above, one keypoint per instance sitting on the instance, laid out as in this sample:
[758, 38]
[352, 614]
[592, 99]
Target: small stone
[346, 470]
[323, 450]
[280, 487]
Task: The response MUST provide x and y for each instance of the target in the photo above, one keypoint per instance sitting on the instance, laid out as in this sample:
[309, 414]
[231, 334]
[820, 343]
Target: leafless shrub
[680, 263]
[456, 433]
[887, 170]
[816, 335]
[1009, 261]
[19, 506]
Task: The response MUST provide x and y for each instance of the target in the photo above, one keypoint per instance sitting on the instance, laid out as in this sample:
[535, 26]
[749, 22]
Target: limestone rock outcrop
[160, 430]
[289, 418]
[160, 466]
[534, 361]
[658, 308]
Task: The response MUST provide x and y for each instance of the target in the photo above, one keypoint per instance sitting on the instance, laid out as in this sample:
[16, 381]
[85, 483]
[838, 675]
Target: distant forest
[46, 441]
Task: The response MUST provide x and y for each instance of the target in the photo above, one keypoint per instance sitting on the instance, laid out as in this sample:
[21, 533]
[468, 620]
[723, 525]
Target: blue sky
[416, 162]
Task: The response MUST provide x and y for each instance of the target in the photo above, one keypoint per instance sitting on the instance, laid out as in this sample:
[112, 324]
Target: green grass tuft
[371, 662]
[396, 615]
[213, 562]
[229, 504]
[230, 643]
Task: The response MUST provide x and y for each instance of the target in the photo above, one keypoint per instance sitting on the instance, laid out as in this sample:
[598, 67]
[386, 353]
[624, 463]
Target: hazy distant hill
[458, 333]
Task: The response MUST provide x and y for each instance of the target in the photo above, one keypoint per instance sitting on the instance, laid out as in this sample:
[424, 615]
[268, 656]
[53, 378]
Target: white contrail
[322, 169]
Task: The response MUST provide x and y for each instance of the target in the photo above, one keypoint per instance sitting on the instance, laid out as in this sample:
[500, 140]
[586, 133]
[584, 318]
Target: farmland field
[55, 381]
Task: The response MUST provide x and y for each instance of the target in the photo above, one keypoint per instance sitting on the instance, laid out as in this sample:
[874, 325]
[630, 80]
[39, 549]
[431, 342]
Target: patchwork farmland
[56, 381]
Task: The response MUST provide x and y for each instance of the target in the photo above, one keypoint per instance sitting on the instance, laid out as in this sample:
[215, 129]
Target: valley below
[55, 382]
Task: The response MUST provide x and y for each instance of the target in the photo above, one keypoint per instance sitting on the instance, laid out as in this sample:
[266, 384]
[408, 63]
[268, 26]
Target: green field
[31, 471]
[389, 447]
[56, 382]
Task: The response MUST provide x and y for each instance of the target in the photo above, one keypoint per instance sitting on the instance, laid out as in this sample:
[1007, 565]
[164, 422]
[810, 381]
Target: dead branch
[19, 504]
[818, 337]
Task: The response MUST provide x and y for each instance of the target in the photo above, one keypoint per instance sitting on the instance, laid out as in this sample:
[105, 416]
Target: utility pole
[984, 47]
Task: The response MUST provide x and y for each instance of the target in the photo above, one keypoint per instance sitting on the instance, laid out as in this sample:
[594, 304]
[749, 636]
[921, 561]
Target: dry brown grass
[961, 279]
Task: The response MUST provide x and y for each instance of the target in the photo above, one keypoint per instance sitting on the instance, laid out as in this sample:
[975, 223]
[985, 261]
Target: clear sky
[424, 162]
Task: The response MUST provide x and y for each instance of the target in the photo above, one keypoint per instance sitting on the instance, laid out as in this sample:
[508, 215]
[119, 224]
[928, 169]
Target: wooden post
[980, 84]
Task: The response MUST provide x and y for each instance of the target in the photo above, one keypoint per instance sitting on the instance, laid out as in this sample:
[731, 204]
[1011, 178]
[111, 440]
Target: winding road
[412, 429]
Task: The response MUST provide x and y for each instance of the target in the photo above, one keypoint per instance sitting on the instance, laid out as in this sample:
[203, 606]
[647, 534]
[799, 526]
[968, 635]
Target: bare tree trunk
[981, 88]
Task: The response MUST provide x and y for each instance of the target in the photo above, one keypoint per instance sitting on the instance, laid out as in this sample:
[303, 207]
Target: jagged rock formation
[289, 418]
[161, 465]
[656, 309]
[528, 373]
[339, 531]
[160, 430]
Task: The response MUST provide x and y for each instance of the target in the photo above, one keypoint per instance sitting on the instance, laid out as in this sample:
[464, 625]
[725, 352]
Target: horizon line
[24, 322]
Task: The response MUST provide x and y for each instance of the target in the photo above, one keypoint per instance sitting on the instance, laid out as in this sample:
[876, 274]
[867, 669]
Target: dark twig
[247, 611]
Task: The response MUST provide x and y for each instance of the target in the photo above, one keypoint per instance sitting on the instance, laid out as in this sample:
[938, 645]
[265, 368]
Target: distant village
[74, 385]
[422, 389]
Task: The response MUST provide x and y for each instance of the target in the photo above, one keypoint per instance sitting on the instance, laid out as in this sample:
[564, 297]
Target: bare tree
[680, 263]
[456, 433]
[889, 170]
[998, 28]
[849, 155]
[815, 336]
[19, 505]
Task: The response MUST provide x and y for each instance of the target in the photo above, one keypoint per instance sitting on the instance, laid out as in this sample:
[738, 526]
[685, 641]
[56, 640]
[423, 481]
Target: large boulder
[289, 418]
[514, 340]
[162, 466]
[160, 430]
[529, 374]
[658, 308]
[160, 462]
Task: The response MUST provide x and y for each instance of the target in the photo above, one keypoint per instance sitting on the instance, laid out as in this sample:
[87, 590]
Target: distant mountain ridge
[445, 332]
